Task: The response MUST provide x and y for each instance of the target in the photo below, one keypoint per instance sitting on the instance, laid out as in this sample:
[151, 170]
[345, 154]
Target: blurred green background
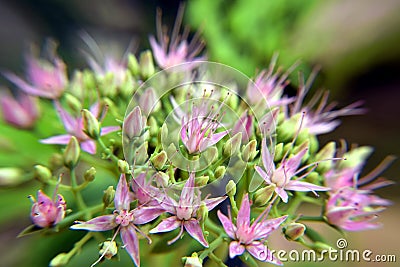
[356, 43]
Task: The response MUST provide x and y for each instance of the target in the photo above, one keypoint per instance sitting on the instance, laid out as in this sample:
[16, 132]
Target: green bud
[109, 249]
[153, 126]
[133, 65]
[314, 178]
[327, 152]
[193, 261]
[294, 231]
[90, 124]
[201, 180]
[73, 102]
[89, 82]
[314, 144]
[71, 153]
[123, 166]
[299, 148]
[90, 174]
[202, 213]
[210, 155]
[230, 188]
[159, 160]
[141, 153]
[146, 64]
[231, 147]
[303, 136]
[162, 179]
[108, 196]
[287, 130]
[10, 176]
[56, 161]
[60, 260]
[263, 195]
[128, 85]
[355, 157]
[278, 152]
[219, 172]
[250, 151]
[42, 173]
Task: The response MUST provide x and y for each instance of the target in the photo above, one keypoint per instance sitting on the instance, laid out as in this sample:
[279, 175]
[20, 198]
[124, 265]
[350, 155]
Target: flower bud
[231, 147]
[60, 260]
[133, 65]
[153, 126]
[73, 102]
[202, 214]
[148, 101]
[294, 231]
[90, 174]
[219, 172]
[71, 153]
[263, 195]
[91, 125]
[89, 81]
[46, 212]
[250, 151]
[278, 153]
[109, 249]
[10, 176]
[56, 161]
[230, 188]
[159, 160]
[288, 129]
[134, 123]
[162, 179]
[123, 166]
[141, 154]
[210, 154]
[355, 157]
[146, 64]
[42, 173]
[201, 180]
[193, 261]
[108, 196]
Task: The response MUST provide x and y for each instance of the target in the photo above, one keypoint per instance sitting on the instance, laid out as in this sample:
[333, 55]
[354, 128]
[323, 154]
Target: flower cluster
[228, 142]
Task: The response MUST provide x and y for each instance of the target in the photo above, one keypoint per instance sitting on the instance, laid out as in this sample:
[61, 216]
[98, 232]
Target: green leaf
[31, 229]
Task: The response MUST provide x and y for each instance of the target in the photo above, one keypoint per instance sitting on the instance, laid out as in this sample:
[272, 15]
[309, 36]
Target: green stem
[210, 225]
[312, 218]
[77, 194]
[294, 204]
[78, 245]
[213, 245]
[217, 260]
[107, 151]
[233, 206]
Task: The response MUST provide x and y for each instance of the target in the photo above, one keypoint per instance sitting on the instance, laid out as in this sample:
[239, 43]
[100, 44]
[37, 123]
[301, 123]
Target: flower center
[184, 213]
[124, 217]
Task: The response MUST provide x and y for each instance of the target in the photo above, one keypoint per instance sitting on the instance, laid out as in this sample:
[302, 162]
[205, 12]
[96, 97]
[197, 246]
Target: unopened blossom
[74, 127]
[269, 85]
[199, 127]
[250, 236]
[47, 212]
[44, 78]
[123, 219]
[172, 50]
[245, 126]
[353, 209]
[21, 111]
[282, 175]
[185, 212]
[134, 124]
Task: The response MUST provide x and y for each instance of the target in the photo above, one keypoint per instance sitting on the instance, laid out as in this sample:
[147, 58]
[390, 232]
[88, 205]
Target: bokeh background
[356, 44]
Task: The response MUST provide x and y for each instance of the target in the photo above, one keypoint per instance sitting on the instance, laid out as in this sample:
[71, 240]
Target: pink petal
[282, 193]
[27, 88]
[338, 215]
[211, 203]
[131, 243]
[293, 163]
[57, 140]
[262, 230]
[89, 146]
[304, 186]
[101, 223]
[167, 225]
[207, 142]
[243, 217]
[187, 194]
[144, 215]
[353, 226]
[70, 123]
[192, 226]
[122, 199]
[267, 158]
[263, 174]
[229, 227]
[258, 250]
[109, 129]
[235, 249]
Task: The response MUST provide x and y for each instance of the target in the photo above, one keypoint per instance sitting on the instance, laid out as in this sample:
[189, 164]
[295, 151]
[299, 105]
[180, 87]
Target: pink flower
[281, 176]
[124, 219]
[44, 79]
[144, 192]
[354, 210]
[74, 127]
[270, 86]
[21, 112]
[174, 50]
[184, 213]
[250, 236]
[46, 212]
[199, 127]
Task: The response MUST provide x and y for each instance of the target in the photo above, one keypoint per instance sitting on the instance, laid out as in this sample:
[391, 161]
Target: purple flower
[21, 112]
[250, 236]
[45, 79]
[124, 219]
[174, 50]
[74, 127]
[46, 212]
[354, 210]
[281, 176]
[199, 127]
[184, 213]
[270, 86]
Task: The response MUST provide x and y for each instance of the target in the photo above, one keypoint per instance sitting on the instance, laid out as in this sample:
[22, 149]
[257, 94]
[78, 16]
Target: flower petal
[109, 129]
[144, 215]
[258, 250]
[166, 225]
[243, 217]
[263, 174]
[261, 230]
[304, 186]
[89, 146]
[101, 223]
[235, 249]
[229, 227]
[187, 194]
[211, 203]
[282, 193]
[122, 199]
[192, 226]
[131, 243]
[57, 140]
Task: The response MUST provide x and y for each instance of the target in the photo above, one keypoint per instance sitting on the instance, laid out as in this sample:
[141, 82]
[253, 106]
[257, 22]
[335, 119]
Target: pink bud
[46, 212]
[134, 123]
